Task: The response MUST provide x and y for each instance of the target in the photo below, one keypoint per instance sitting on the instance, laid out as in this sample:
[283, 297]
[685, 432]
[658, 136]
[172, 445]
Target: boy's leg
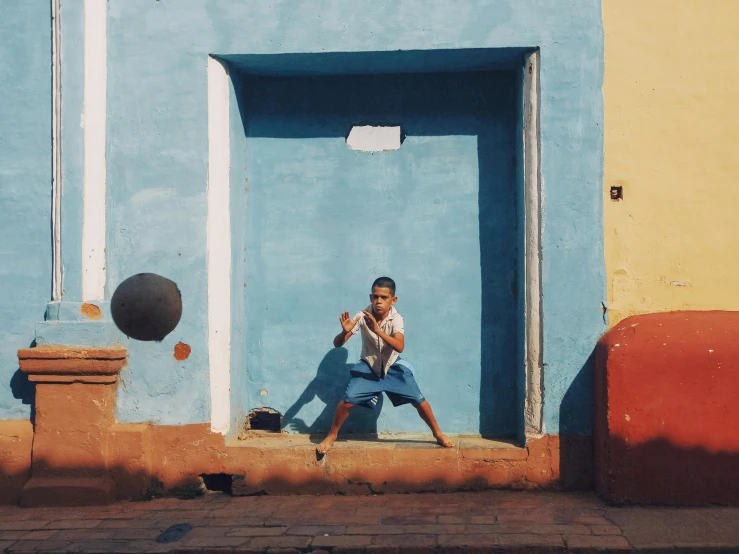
[340, 415]
[401, 388]
[424, 410]
[363, 389]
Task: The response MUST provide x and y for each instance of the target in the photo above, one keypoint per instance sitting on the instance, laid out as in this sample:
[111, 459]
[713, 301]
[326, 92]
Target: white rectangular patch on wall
[369, 138]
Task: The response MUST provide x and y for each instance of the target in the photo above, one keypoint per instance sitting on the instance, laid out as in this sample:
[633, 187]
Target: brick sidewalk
[497, 521]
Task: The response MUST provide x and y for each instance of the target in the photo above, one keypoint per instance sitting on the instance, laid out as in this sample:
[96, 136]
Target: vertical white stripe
[56, 152]
[532, 194]
[219, 247]
[93, 223]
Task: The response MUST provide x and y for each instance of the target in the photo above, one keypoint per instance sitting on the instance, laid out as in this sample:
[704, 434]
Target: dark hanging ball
[146, 306]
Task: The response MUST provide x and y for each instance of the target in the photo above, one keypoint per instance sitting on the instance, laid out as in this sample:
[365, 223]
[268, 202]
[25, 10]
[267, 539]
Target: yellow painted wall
[671, 102]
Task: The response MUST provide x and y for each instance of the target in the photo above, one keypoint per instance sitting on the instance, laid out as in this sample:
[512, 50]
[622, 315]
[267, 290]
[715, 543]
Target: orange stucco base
[667, 409]
[16, 440]
[78, 454]
[144, 460]
[147, 458]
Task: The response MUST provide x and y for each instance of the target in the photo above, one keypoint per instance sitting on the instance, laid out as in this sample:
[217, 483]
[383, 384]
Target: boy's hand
[371, 322]
[347, 322]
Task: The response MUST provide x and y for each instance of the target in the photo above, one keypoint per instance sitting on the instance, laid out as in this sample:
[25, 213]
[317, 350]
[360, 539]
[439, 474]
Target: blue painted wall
[238, 202]
[157, 166]
[439, 215]
[72, 74]
[25, 190]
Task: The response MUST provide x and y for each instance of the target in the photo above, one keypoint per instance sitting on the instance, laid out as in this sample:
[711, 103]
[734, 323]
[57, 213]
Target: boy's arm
[341, 338]
[347, 329]
[396, 340]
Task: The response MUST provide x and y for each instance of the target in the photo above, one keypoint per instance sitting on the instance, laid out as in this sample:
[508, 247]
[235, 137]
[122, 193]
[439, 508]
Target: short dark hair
[384, 283]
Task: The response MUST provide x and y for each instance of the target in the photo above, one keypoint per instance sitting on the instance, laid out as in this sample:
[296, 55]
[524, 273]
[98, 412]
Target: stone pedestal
[75, 399]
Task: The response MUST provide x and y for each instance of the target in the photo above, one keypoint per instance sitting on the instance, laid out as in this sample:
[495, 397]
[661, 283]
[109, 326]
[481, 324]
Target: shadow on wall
[23, 389]
[328, 386]
[658, 472]
[575, 428]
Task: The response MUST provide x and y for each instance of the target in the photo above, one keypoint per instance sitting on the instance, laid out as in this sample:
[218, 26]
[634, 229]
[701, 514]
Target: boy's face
[382, 300]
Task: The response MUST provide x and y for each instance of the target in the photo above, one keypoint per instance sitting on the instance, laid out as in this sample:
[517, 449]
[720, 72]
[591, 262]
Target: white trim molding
[534, 408]
[218, 234]
[56, 151]
[93, 218]
[219, 247]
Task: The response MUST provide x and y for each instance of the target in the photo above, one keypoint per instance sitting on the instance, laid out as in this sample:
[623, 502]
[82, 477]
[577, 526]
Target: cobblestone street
[497, 521]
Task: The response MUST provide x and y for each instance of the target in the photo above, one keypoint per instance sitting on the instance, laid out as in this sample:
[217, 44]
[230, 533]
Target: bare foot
[325, 445]
[444, 441]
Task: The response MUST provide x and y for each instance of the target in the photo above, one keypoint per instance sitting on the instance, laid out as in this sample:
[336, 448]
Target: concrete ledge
[48, 352]
[67, 311]
[65, 364]
[287, 464]
[101, 332]
[143, 460]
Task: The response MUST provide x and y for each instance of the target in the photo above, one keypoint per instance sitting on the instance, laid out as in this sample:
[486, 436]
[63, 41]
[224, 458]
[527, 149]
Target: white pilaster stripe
[56, 155]
[219, 247]
[534, 408]
[93, 222]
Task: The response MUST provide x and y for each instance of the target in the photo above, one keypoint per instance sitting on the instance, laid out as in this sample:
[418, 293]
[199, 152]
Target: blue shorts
[365, 386]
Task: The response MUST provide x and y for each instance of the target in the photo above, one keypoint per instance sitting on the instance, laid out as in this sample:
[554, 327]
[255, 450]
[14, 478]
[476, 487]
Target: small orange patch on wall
[181, 351]
[91, 311]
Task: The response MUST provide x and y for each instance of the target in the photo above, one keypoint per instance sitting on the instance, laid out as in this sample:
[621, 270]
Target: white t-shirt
[379, 355]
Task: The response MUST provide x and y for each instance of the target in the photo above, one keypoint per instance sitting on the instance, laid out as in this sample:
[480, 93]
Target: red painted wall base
[143, 460]
[667, 409]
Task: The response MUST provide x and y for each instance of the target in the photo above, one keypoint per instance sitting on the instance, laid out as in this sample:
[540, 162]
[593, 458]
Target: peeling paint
[674, 283]
[182, 351]
[91, 311]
